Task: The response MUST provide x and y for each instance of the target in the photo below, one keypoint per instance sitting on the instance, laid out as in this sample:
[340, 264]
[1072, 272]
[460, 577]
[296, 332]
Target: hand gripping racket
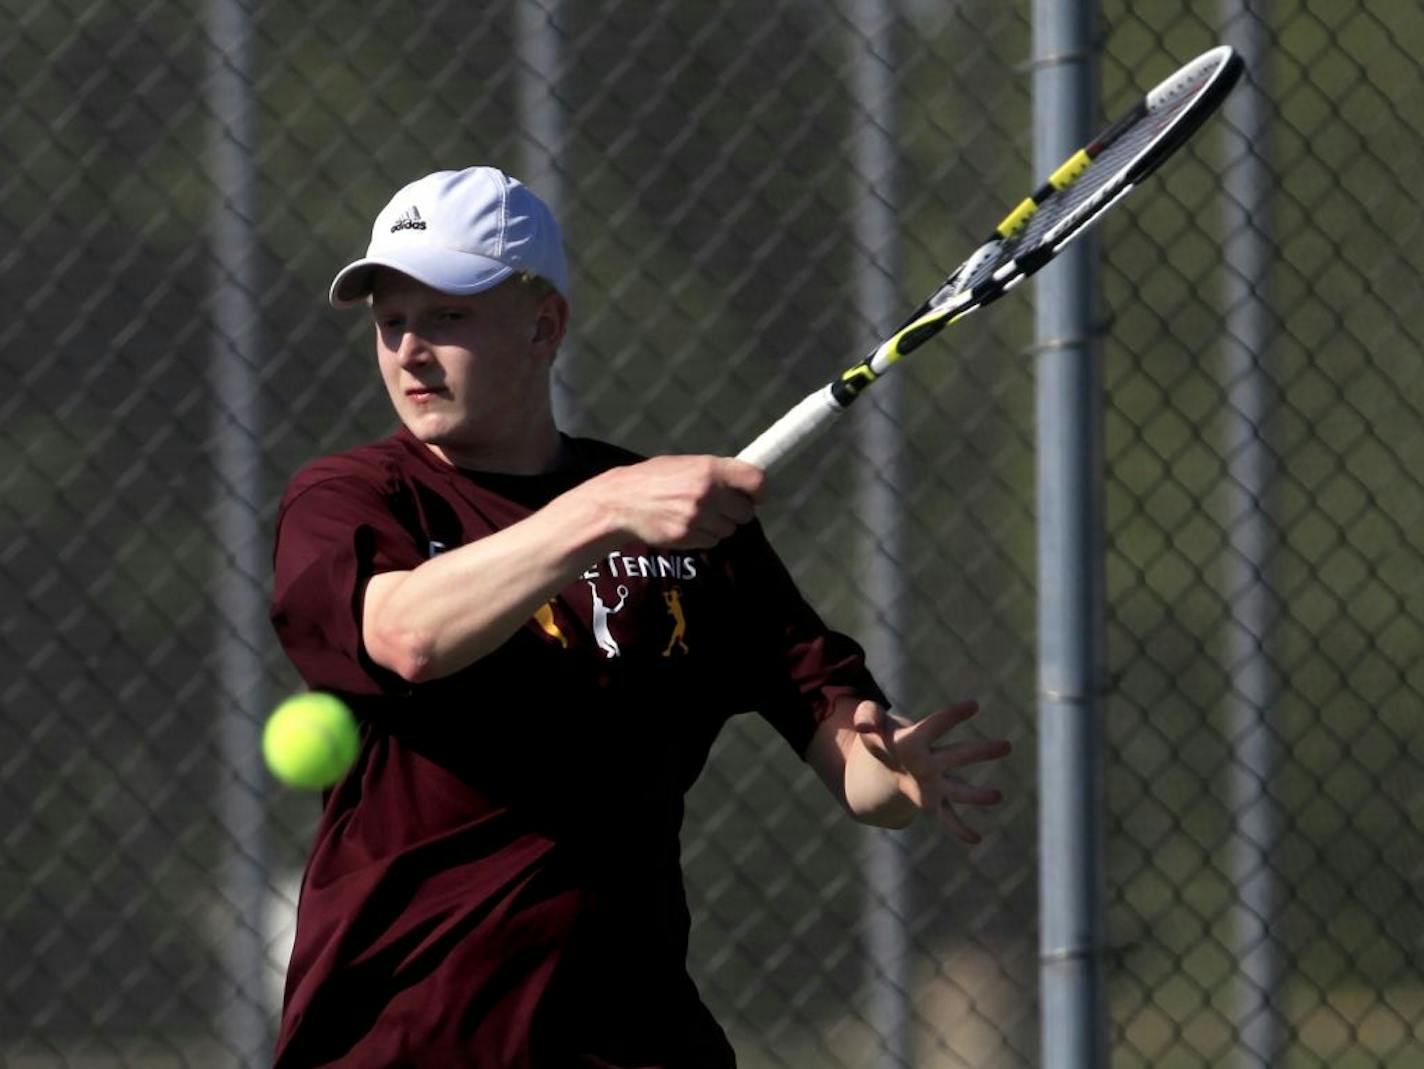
[1075, 196]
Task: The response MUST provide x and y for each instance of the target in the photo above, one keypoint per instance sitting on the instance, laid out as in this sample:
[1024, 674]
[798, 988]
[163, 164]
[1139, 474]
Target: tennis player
[541, 636]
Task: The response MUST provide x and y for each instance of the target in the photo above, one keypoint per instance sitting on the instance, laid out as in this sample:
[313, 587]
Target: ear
[551, 319]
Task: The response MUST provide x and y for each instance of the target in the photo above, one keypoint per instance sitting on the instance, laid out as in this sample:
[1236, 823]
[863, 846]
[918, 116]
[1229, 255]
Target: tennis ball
[310, 740]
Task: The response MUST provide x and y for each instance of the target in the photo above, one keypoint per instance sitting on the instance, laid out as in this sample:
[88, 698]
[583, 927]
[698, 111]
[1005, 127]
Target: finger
[951, 821]
[734, 505]
[705, 529]
[940, 722]
[705, 535]
[716, 524]
[957, 790]
[973, 752]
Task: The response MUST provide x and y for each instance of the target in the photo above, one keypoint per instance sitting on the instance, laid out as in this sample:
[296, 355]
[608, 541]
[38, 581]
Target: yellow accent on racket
[1014, 221]
[859, 377]
[1067, 174]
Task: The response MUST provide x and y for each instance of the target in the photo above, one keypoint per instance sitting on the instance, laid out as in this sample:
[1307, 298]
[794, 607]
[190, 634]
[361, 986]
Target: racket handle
[792, 430]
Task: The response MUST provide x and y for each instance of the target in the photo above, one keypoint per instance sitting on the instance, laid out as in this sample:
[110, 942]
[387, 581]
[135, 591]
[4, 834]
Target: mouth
[422, 394]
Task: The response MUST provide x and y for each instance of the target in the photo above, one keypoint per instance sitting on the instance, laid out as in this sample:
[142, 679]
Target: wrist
[873, 792]
[591, 517]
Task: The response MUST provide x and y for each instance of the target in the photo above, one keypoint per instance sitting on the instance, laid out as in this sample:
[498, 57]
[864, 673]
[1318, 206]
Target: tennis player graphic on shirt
[601, 613]
[673, 599]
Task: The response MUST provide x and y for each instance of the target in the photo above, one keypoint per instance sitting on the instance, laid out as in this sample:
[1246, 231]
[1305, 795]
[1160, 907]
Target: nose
[413, 349]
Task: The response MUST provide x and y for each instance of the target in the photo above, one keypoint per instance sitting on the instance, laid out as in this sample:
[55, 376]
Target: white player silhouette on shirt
[601, 613]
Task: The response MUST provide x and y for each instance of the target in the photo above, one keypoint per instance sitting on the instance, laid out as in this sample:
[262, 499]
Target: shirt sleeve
[333, 534]
[800, 667]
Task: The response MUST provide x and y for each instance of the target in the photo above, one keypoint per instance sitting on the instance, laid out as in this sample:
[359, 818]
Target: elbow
[409, 654]
[416, 668]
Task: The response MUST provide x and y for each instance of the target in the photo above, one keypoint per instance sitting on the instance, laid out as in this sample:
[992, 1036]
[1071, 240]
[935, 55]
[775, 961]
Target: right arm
[457, 607]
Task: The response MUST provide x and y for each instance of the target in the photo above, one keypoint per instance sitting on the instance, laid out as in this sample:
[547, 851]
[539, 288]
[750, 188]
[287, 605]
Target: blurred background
[751, 193]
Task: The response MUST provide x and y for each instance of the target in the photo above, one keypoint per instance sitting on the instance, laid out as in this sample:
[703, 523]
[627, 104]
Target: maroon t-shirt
[496, 882]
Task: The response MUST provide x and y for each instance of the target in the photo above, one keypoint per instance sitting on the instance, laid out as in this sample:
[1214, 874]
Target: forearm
[452, 610]
[463, 604]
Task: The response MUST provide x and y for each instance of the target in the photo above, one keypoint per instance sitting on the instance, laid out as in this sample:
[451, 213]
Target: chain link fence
[181, 179]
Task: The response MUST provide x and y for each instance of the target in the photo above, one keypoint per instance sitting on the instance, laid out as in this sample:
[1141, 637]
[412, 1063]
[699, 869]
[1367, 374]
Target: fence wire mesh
[180, 181]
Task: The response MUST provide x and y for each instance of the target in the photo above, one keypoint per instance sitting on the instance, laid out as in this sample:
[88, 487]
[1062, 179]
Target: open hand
[926, 772]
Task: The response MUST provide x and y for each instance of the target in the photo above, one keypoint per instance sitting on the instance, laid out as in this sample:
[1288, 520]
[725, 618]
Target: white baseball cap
[459, 232]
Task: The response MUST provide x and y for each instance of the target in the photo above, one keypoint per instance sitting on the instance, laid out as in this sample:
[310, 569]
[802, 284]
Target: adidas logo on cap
[410, 220]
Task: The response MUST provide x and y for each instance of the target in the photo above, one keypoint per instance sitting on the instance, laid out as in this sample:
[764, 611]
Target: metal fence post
[880, 501]
[241, 605]
[1070, 555]
[542, 127]
[1250, 596]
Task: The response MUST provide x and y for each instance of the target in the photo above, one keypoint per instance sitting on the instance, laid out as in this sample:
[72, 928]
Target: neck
[538, 450]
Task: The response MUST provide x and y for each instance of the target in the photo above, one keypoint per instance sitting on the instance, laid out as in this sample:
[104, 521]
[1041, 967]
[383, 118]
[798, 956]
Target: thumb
[870, 724]
[868, 719]
[744, 477]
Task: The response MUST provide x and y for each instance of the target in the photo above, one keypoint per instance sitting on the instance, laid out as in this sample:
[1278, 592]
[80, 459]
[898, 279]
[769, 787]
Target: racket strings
[1106, 169]
[1055, 218]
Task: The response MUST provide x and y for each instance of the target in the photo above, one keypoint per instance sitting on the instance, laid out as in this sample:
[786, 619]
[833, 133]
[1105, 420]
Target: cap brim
[446, 270]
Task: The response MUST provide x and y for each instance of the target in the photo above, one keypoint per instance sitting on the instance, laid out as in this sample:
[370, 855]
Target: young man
[542, 636]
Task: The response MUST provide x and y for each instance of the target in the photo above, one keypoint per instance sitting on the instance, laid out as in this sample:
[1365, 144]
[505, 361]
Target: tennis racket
[1075, 196]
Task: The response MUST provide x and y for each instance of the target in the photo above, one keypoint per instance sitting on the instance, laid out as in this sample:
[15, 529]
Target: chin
[443, 435]
[432, 428]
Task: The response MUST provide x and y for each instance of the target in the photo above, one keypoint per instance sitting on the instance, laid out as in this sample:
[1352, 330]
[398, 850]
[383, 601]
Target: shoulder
[367, 480]
[377, 468]
[377, 463]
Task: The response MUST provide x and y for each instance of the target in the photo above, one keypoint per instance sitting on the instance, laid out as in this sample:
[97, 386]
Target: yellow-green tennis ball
[310, 740]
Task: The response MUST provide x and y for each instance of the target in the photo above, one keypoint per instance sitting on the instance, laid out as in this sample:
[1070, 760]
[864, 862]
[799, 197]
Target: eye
[451, 315]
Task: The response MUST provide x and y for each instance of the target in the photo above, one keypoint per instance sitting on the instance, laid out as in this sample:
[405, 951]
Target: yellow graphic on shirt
[673, 598]
[544, 617]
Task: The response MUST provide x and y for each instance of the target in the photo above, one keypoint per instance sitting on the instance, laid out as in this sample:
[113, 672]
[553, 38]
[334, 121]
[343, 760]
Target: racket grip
[792, 430]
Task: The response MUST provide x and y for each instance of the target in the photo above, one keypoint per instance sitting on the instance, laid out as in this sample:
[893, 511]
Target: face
[469, 375]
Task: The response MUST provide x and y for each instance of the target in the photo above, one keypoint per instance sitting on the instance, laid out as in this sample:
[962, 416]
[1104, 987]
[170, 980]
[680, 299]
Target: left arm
[812, 685]
[884, 769]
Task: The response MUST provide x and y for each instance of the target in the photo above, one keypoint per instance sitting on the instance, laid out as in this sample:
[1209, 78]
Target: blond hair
[536, 286]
